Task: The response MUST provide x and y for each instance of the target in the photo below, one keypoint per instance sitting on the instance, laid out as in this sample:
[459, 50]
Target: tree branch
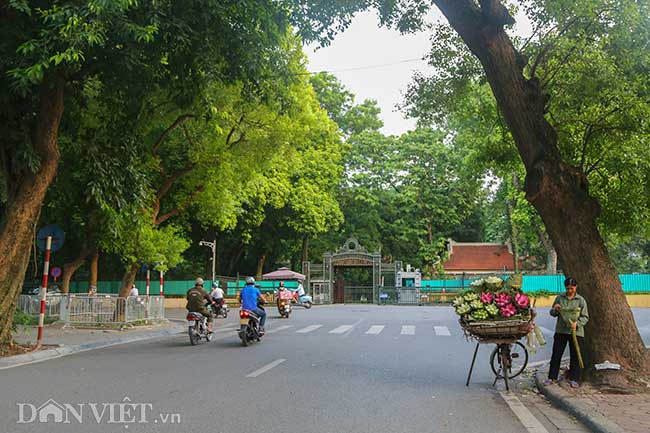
[179, 120]
[170, 180]
[177, 210]
[495, 13]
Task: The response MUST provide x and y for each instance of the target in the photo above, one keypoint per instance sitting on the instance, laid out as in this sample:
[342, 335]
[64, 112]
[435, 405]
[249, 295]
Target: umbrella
[283, 274]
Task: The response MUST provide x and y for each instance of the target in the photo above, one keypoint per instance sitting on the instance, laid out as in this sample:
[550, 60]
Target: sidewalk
[59, 341]
[611, 413]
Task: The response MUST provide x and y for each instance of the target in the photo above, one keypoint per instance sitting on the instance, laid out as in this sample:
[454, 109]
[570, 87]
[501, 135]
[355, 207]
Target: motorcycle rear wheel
[194, 336]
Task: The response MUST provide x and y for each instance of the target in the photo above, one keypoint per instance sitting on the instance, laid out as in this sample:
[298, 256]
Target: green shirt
[577, 303]
[197, 298]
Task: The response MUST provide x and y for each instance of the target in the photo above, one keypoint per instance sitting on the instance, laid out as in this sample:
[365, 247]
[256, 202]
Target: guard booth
[408, 285]
[349, 275]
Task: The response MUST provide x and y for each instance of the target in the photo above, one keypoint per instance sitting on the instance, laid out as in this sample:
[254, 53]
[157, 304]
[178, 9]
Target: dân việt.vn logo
[122, 412]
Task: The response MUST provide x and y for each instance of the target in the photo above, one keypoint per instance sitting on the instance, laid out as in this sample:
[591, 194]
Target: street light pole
[213, 247]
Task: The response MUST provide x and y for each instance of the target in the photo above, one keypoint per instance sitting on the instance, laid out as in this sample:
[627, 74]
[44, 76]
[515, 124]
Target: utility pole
[213, 247]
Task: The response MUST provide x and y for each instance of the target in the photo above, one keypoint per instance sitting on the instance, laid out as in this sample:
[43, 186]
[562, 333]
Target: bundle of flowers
[492, 299]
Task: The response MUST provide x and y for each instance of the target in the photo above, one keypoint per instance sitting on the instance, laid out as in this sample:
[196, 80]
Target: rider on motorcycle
[249, 297]
[300, 291]
[197, 297]
[217, 296]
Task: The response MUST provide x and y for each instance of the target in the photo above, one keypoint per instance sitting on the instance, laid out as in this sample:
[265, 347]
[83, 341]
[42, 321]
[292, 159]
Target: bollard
[46, 270]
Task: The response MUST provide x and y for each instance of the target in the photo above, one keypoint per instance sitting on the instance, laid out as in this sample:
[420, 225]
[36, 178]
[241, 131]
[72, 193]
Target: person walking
[572, 315]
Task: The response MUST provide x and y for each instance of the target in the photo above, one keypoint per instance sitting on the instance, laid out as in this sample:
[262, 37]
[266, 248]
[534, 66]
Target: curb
[595, 421]
[43, 355]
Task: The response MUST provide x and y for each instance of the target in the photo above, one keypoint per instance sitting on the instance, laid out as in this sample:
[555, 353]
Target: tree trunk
[70, 268]
[557, 191]
[260, 266]
[305, 250]
[128, 279]
[514, 237]
[551, 254]
[24, 206]
[94, 269]
[234, 258]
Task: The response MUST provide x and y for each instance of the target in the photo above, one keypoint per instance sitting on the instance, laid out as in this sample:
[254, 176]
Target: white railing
[31, 305]
[100, 309]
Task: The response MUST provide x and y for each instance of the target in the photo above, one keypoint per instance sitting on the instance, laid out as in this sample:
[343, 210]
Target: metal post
[148, 280]
[213, 247]
[214, 259]
[162, 279]
[46, 270]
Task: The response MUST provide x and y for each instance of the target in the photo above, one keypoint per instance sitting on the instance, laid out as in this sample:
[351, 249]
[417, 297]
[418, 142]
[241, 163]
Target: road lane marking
[442, 330]
[309, 328]
[341, 329]
[279, 328]
[407, 330]
[266, 368]
[528, 420]
[375, 329]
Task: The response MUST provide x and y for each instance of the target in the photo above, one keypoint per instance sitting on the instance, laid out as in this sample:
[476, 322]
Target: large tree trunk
[70, 268]
[94, 269]
[558, 191]
[24, 206]
[260, 266]
[305, 250]
[128, 279]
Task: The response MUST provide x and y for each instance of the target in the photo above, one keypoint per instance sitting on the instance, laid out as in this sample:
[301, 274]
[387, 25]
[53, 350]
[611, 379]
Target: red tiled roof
[479, 257]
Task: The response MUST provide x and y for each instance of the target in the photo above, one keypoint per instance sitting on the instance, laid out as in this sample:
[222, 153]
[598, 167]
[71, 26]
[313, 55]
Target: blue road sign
[57, 233]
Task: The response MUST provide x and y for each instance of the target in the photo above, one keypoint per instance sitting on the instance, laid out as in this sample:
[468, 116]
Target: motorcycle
[304, 300]
[284, 308]
[197, 329]
[221, 309]
[249, 327]
[284, 298]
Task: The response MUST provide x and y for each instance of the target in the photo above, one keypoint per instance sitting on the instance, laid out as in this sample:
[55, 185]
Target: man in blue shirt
[248, 298]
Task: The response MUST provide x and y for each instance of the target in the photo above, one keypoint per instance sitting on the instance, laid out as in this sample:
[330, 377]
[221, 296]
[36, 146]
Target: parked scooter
[221, 309]
[304, 300]
[197, 327]
[249, 327]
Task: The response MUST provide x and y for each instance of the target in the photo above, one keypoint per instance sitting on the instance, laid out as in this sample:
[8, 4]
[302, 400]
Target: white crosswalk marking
[375, 329]
[408, 330]
[279, 328]
[309, 328]
[442, 330]
[341, 329]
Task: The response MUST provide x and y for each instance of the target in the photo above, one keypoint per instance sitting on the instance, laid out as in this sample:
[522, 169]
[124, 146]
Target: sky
[378, 63]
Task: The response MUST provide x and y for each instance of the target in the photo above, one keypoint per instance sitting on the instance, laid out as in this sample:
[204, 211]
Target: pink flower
[502, 299]
[522, 300]
[508, 310]
[487, 297]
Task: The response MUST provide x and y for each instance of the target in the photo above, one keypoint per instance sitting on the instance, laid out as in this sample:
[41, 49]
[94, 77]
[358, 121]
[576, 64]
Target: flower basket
[497, 329]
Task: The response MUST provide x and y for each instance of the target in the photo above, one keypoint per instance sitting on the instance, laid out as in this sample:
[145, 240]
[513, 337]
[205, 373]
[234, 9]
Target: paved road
[325, 370]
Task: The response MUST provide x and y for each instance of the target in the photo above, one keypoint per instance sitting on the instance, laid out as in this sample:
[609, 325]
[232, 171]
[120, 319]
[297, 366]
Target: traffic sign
[53, 230]
[55, 272]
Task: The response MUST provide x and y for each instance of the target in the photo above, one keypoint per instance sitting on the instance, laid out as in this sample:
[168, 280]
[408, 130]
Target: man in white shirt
[134, 291]
[300, 290]
[217, 296]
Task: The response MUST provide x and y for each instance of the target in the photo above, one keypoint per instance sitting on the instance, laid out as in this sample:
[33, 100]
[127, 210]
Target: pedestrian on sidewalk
[563, 308]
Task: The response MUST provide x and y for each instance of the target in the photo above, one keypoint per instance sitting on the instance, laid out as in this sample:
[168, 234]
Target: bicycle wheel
[516, 360]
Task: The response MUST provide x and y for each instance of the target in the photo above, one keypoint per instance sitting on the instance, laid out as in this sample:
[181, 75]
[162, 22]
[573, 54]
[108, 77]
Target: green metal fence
[632, 283]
